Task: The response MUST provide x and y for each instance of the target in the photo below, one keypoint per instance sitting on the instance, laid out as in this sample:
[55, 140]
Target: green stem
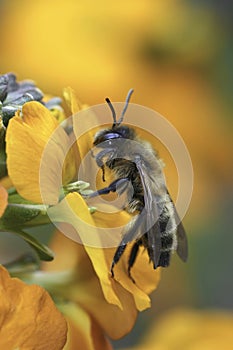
[51, 281]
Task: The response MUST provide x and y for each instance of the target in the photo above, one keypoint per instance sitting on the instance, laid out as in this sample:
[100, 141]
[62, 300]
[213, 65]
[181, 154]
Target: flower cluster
[95, 306]
[13, 95]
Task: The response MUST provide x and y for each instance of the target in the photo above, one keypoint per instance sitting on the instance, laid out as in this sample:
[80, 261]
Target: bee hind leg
[117, 256]
[132, 258]
[129, 236]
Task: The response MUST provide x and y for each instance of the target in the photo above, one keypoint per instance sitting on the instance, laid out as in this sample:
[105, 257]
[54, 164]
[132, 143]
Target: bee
[137, 170]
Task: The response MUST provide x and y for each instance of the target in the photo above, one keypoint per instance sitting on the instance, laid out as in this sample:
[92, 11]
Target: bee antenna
[119, 121]
[112, 110]
[125, 107]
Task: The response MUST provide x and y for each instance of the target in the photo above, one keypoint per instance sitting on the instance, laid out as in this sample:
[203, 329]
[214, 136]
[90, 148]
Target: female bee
[137, 170]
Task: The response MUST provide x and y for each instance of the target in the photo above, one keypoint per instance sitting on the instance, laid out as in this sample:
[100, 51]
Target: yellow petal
[3, 200]
[57, 111]
[28, 318]
[74, 211]
[145, 276]
[79, 328]
[114, 321]
[26, 140]
[87, 292]
[83, 330]
[85, 123]
[191, 330]
[6, 182]
[143, 273]
[72, 101]
[76, 106]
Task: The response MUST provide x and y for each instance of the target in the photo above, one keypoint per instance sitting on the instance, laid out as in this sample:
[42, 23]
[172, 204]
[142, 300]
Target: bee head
[117, 130]
[121, 131]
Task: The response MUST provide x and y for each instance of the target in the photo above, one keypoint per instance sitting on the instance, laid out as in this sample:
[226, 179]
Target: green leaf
[42, 250]
[24, 263]
[22, 213]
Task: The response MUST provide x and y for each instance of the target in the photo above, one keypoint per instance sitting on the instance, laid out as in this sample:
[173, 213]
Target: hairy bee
[155, 223]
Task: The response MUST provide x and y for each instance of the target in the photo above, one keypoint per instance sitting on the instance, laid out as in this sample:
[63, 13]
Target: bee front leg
[106, 153]
[118, 186]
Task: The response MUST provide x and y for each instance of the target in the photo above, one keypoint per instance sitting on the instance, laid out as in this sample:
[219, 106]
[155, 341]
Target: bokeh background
[178, 56]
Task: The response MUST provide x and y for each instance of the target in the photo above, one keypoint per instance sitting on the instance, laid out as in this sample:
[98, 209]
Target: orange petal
[29, 318]
[99, 340]
[65, 259]
[3, 200]
[87, 292]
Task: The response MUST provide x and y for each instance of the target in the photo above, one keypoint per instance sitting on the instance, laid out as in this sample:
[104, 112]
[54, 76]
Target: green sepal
[3, 169]
[77, 186]
[20, 214]
[42, 250]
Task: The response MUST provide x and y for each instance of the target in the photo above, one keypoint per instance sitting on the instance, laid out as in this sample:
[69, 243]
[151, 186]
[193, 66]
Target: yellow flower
[119, 298]
[3, 200]
[190, 330]
[28, 317]
[26, 139]
[101, 259]
[86, 334]
[92, 313]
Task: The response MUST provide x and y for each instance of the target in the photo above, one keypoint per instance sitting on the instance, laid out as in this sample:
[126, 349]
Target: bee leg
[103, 172]
[116, 258]
[128, 237]
[132, 258]
[106, 153]
[119, 184]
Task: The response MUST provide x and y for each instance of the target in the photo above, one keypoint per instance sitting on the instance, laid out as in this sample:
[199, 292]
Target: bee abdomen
[167, 246]
[167, 241]
[168, 234]
[164, 259]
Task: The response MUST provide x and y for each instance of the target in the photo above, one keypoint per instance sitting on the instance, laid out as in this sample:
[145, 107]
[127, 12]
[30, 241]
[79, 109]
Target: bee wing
[182, 242]
[151, 222]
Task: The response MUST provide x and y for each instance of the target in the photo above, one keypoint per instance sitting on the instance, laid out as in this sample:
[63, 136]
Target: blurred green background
[178, 56]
